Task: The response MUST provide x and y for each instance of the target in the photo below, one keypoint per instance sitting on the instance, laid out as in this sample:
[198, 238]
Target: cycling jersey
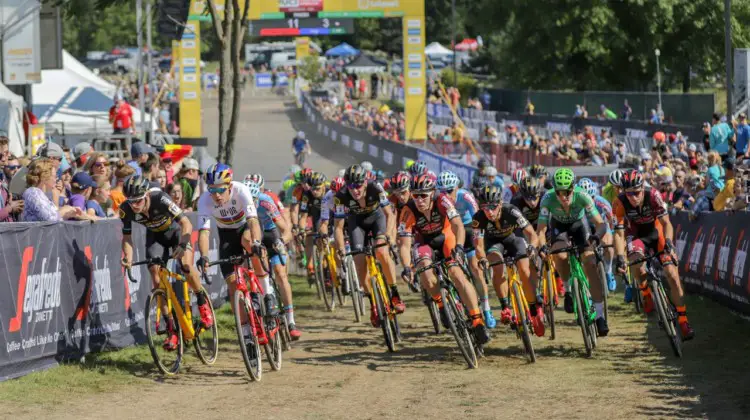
[375, 198]
[510, 219]
[530, 213]
[609, 192]
[509, 192]
[275, 198]
[642, 218]
[326, 206]
[433, 232]
[162, 212]
[231, 215]
[466, 205]
[310, 205]
[299, 144]
[581, 205]
[268, 212]
[605, 210]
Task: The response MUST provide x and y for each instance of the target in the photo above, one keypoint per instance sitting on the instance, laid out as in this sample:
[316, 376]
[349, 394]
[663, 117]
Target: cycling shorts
[469, 241]
[576, 233]
[652, 240]
[440, 247]
[513, 247]
[230, 245]
[271, 240]
[161, 244]
[360, 226]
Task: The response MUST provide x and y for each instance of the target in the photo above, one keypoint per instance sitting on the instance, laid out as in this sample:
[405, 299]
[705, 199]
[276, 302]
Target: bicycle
[381, 296]
[668, 318]
[355, 289]
[326, 274]
[599, 255]
[180, 313]
[547, 288]
[582, 307]
[521, 321]
[250, 318]
[455, 313]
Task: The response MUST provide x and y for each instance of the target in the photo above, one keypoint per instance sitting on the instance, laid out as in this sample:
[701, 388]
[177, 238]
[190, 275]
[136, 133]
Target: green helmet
[298, 177]
[409, 164]
[564, 179]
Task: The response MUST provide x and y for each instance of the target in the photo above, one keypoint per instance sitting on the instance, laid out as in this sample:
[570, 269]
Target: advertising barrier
[63, 292]
[438, 163]
[265, 80]
[336, 141]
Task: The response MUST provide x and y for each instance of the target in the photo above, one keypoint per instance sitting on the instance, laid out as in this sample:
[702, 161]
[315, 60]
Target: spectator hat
[81, 149]
[83, 180]
[50, 150]
[190, 163]
[742, 116]
[659, 137]
[692, 147]
[140, 148]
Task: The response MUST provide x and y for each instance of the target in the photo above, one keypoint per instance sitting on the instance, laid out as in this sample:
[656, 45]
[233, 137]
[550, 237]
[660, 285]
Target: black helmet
[317, 179]
[478, 184]
[355, 174]
[483, 163]
[632, 179]
[537, 170]
[136, 186]
[400, 181]
[530, 186]
[491, 194]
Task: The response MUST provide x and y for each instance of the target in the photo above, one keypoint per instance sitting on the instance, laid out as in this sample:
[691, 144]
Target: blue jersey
[268, 212]
[605, 210]
[299, 144]
[466, 206]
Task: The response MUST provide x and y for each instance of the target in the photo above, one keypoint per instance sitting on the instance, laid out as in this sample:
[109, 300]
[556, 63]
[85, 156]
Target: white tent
[435, 49]
[11, 119]
[74, 100]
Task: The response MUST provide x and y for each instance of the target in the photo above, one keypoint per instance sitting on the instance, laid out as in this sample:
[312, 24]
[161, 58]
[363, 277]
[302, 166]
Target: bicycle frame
[515, 279]
[184, 316]
[547, 276]
[576, 270]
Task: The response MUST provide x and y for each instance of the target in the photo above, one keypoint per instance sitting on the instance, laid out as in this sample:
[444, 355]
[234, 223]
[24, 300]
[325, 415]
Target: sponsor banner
[438, 163]
[712, 252]
[63, 292]
[265, 80]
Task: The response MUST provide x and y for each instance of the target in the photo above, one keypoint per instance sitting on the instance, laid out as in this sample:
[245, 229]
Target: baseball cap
[81, 149]
[659, 136]
[743, 115]
[140, 148]
[83, 180]
[50, 150]
[692, 147]
[190, 163]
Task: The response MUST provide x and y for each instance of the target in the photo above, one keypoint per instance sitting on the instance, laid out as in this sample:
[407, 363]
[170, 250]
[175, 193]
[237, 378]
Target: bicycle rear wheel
[549, 299]
[459, 328]
[206, 341]
[249, 345]
[605, 287]
[357, 300]
[273, 348]
[318, 271]
[581, 317]
[325, 284]
[432, 309]
[385, 323]
[667, 317]
[168, 362]
[522, 322]
[286, 338]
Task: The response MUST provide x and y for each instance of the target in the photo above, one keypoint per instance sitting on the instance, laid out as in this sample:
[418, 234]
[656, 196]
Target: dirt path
[341, 368]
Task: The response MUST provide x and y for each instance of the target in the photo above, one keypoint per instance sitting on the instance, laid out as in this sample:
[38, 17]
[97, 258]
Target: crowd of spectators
[82, 184]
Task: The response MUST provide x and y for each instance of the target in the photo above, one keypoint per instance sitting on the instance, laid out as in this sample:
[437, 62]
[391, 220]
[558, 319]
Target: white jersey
[232, 214]
[326, 206]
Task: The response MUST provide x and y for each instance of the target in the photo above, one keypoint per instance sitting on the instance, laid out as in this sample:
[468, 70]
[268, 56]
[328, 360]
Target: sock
[372, 301]
[201, 297]
[394, 292]
[599, 307]
[289, 313]
[484, 303]
[532, 309]
[265, 281]
[439, 300]
[681, 314]
[504, 303]
[476, 317]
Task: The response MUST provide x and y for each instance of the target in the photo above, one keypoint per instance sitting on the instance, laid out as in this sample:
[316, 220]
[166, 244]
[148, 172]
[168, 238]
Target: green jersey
[581, 205]
[288, 186]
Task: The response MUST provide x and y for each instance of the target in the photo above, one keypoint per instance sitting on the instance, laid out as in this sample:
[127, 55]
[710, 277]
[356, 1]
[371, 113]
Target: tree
[310, 70]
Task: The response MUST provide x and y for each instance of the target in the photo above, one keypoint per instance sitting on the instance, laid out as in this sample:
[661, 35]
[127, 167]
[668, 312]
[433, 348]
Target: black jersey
[510, 219]
[161, 213]
[310, 205]
[375, 198]
[530, 213]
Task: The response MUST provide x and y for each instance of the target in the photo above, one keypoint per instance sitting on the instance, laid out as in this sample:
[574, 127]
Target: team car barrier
[63, 292]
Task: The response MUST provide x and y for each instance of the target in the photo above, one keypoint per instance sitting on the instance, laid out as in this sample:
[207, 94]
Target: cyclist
[399, 196]
[276, 231]
[495, 234]
[433, 223]
[361, 204]
[490, 173]
[512, 189]
[311, 205]
[300, 148]
[612, 189]
[168, 233]
[643, 224]
[562, 219]
[540, 172]
[605, 210]
[418, 168]
[326, 212]
[258, 179]
[467, 206]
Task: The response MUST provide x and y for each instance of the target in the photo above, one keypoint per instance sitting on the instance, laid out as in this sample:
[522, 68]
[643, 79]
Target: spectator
[121, 116]
[621, 153]
[715, 174]
[627, 111]
[175, 191]
[161, 178]
[102, 194]
[486, 99]
[82, 186]
[490, 135]
[167, 165]
[606, 113]
[579, 112]
[150, 170]
[9, 208]
[38, 207]
[139, 153]
[123, 171]
[529, 107]
[188, 179]
[743, 138]
[726, 195]
[81, 152]
[654, 119]
[52, 151]
[720, 135]
[98, 164]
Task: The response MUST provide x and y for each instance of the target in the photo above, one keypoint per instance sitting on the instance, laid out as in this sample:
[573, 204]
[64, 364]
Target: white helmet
[301, 135]
[447, 180]
[490, 171]
[342, 172]
[366, 165]
[615, 178]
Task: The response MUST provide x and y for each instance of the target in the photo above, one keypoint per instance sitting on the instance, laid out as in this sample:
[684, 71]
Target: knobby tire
[155, 298]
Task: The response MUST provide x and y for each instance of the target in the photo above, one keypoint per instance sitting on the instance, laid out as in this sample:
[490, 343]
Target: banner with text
[438, 163]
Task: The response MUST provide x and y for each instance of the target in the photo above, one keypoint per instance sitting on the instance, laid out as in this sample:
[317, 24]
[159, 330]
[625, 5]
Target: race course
[341, 369]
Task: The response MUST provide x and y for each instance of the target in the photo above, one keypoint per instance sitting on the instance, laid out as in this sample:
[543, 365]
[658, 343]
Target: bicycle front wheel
[549, 299]
[325, 284]
[273, 348]
[157, 329]
[581, 316]
[432, 309]
[318, 271]
[667, 317]
[605, 287]
[523, 324]
[354, 288]
[249, 345]
[206, 341]
[459, 328]
[385, 324]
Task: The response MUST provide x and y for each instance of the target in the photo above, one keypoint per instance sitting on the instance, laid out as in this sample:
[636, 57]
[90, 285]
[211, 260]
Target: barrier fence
[63, 292]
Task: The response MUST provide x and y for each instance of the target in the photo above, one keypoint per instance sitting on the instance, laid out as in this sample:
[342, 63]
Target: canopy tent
[74, 100]
[468, 44]
[11, 120]
[364, 65]
[342, 50]
[435, 49]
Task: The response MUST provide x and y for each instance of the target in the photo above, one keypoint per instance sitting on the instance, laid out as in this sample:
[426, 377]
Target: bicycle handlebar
[369, 249]
[646, 258]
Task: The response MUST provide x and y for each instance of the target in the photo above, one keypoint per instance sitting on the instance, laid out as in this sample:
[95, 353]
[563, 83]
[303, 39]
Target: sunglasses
[490, 206]
[100, 164]
[531, 197]
[633, 193]
[421, 196]
[167, 160]
[217, 190]
[12, 167]
[450, 191]
[564, 193]
[355, 186]
[137, 200]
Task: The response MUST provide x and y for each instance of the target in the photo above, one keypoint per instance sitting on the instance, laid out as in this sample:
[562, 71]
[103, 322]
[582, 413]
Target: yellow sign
[36, 132]
[303, 48]
[189, 61]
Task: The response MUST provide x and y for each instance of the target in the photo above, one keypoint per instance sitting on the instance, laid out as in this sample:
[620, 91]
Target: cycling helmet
[254, 188]
[423, 183]
[219, 173]
[478, 183]
[482, 163]
[379, 175]
[317, 179]
[490, 171]
[298, 177]
[387, 184]
[518, 176]
[615, 178]
[257, 178]
[400, 181]
[301, 135]
[589, 186]
[342, 172]
[408, 164]
[530, 187]
[491, 194]
[418, 168]
[564, 179]
[305, 175]
[294, 169]
[632, 179]
[355, 174]
[136, 187]
[537, 170]
[366, 165]
[337, 184]
[447, 180]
